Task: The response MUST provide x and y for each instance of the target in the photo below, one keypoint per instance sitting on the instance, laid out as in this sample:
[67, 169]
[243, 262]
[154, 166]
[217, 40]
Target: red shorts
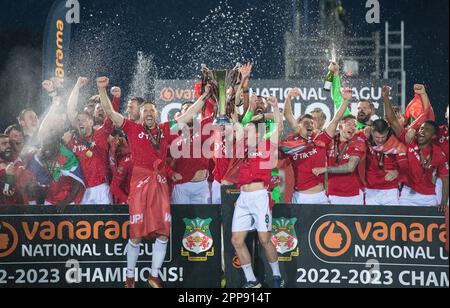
[149, 204]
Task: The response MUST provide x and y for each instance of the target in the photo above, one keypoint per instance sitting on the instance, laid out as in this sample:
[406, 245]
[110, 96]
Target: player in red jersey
[425, 161]
[17, 185]
[253, 210]
[120, 184]
[192, 164]
[149, 193]
[307, 151]
[442, 142]
[344, 155]
[91, 148]
[224, 140]
[385, 162]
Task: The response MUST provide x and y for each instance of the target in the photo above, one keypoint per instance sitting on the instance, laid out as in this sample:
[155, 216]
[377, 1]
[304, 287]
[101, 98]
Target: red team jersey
[221, 162]
[23, 180]
[142, 152]
[339, 153]
[189, 166]
[313, 155]
[442, 141]
[392, 156]
[258, 164]
[93, 155]
[120, 185]
[424, 165]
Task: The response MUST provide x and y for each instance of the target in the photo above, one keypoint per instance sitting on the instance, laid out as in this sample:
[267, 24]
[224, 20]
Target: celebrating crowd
[91, 154]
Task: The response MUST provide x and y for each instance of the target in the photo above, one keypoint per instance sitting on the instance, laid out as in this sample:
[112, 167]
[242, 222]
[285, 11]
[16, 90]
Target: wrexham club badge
[285, 238]
[197, 240]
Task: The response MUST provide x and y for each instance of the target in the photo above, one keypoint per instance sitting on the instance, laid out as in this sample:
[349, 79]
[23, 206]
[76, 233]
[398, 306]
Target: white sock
[159, 254]
[275, 269]
[248, 271]
[132, 257]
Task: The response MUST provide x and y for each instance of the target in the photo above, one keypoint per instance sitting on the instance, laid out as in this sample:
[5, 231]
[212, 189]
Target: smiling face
[426, 134]
[5, 149]
[306, 127]
[85, 124]
[348, 128]
[261, 105]
[16, 139]
[149, 115]
[365, 111]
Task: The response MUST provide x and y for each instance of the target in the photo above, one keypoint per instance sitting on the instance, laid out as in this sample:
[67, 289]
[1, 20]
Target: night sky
[180, 34]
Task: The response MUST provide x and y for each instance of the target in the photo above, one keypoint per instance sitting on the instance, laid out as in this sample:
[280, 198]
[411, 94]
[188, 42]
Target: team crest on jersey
[197, 241]
[285, 238]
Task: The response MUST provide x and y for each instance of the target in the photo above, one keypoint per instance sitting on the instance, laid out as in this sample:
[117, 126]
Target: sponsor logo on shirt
[305, 155]
[140, 184]
[161, 179]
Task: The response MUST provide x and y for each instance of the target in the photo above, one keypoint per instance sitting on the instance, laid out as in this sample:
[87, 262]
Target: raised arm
[288, 113]
[420, 90]
[116, 118]
[195, 109]
[72, 104]
[54, 119]
[389, 113]
[332, 127]
[336, 88]
[246, 72]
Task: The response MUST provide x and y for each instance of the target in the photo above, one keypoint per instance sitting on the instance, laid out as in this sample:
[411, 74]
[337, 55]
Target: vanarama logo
[285, 238]
[197, 241]
[8, 239]
[333, 239]
[169, 94]
[354, 239]
[82, 230]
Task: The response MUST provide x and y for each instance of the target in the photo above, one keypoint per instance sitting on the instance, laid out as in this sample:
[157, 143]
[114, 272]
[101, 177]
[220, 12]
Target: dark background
[180, 35]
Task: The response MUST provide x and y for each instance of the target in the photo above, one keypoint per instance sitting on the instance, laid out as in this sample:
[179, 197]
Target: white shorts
[252, 212]
[98, 195]
[411, 198]
[439, 191]
[382, 196]
[316, 199]
[355, 200]
[216, 193]
[191, 193]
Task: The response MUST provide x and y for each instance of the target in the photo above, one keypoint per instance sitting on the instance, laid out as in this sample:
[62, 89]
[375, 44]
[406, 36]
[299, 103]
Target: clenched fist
[48, 86]
[386, 92]
[334, 67]
[419, 89]
[102, 82]
[347, 94]
[294, 93]
[82, 81]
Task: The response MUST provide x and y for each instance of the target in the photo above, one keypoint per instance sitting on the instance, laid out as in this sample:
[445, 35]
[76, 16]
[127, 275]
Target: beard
[98, 121]
[364, 118]
[6, 156]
